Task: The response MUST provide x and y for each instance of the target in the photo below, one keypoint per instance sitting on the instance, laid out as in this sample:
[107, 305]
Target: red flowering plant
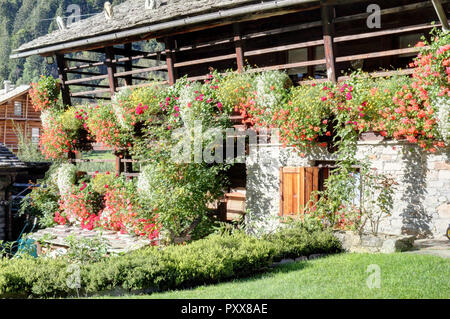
[63, 132]
[101, 123]
[44, 94]
[122, 208]
[80, 206]
[135, 109]
[109, 202]
[271, 90]
[304, 118]
[187, 102]
[431, 77]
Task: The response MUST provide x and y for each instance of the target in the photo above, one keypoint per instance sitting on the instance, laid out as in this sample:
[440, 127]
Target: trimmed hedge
[210, 260]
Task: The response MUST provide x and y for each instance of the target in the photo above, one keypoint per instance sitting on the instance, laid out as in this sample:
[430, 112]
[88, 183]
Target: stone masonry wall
[422, 197]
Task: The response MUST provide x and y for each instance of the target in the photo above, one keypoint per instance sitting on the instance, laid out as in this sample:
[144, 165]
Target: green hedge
[210, 260]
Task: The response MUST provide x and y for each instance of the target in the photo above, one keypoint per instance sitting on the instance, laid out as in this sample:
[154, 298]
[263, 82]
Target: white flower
[66, 176]
[443, 117]
[45, 115]
[122, 96]
[267, 84]
[186, 102]
[145, 181]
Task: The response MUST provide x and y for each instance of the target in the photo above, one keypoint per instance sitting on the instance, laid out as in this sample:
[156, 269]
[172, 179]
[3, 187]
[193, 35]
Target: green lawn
[339, 276]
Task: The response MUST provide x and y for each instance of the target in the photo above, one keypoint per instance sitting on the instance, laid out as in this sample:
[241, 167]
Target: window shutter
[296, 186]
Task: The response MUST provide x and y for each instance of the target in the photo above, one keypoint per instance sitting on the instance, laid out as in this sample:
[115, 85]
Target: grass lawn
[339, 276]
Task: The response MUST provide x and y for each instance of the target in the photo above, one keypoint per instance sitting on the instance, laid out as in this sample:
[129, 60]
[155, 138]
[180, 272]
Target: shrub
[45, 94]
[42, 201]
[180, 195]
[210, 260]
[294, 241]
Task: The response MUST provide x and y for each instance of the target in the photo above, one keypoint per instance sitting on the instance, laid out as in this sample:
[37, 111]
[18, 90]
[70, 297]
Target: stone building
[421, 205]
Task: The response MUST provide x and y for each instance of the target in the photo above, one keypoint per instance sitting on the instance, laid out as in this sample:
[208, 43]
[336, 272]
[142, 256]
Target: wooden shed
[17, 114]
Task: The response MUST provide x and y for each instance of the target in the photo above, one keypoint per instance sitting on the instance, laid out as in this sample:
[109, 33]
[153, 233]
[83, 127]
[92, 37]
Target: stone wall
[422, 197]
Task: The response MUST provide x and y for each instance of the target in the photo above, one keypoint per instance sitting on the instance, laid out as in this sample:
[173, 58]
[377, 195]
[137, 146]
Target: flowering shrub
[108, 202]
[63, 132]
[180, 195]
[134, 109]
[45, 94]
[304, 118]
[65, 177]
[102, 124]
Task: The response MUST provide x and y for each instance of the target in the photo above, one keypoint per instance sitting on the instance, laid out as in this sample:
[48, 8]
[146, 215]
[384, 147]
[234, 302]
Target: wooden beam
[239, 47]
[61, 65]
[311, 55]
[128, 48]
[284, 48]
[110, 55]
[93, 92]
[379, 54]
[206, 60]
[82, 80]
[170, 60]
[328, 14]
[146, 70]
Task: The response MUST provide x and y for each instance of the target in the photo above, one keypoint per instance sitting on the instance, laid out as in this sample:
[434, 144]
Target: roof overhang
[158, 28]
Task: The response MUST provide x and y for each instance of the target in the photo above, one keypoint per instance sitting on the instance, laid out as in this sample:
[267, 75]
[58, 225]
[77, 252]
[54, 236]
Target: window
[18, 108]
[296, 186]
[35, 135]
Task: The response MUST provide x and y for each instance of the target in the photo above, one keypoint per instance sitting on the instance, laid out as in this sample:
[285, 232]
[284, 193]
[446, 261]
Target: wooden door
[296, 186]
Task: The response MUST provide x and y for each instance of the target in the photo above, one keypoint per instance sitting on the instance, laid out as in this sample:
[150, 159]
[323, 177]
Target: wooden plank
[65, 91]
[295, 192]
[110, 55]
[128, 65]
[372, 55]
[206, 60]
[301, 176]
[315, 185]
[328, 15]
[288, 65]
[146, 70]
[170, 61]
[384, 12]
[383, 74]
[281, 192]
[91, 92]
[288, 193]
[93, 78]
[374, 34]
[284, 48]
[239, 47]
[309, 181]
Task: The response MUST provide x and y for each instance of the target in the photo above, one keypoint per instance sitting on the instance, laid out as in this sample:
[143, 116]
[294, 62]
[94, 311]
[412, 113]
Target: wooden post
[311, 56]
[170, 60]
[328, 31]
[111, 67]
[61, 65]
[239, 47]
[119, 165]
[128, 64]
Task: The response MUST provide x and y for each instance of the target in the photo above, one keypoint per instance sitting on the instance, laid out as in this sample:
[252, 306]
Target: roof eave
[229, 13]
